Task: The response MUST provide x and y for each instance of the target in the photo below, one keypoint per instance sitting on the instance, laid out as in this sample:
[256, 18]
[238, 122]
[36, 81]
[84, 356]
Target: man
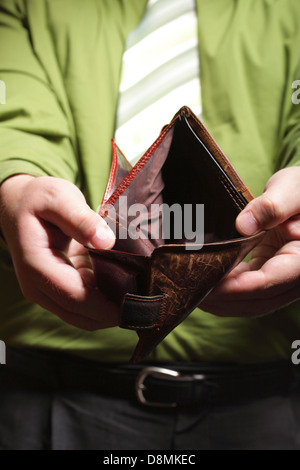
[61, 65]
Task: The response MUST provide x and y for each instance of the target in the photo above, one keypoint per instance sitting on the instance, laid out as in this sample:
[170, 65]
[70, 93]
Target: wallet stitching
[125, 228]
[225, 161]
[144, 300]
[112, 176]
[117, 222]
[235, 195]
[162, 314]
[135, 170]
[143, 327]
[227, 188]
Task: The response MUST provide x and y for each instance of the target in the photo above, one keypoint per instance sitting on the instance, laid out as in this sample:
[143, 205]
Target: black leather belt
[159, 385]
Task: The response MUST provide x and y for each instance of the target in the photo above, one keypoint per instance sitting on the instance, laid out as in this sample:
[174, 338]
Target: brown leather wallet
[158, 273]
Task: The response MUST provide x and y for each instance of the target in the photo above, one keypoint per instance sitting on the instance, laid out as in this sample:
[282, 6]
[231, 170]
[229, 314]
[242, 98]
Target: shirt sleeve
[35, 135]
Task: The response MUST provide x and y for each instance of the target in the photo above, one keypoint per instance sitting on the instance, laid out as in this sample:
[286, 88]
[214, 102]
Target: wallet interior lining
[192, 176]
[181, 171]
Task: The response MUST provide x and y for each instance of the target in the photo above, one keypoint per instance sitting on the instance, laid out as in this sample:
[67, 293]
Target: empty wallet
[173, 215]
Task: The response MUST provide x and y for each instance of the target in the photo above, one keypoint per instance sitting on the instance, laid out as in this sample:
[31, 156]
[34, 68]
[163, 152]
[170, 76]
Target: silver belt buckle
[159, 372]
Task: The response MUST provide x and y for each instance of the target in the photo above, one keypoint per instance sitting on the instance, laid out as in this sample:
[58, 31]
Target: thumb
[278, 203]
[68, 210]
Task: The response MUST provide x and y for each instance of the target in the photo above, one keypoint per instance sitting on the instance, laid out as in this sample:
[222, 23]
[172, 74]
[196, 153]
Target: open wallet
[160, 267]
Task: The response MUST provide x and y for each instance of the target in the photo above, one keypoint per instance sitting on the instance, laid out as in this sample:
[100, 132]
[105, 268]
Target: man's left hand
[271, 280]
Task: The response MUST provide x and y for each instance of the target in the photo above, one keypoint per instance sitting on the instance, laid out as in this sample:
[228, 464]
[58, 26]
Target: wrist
[11, 192]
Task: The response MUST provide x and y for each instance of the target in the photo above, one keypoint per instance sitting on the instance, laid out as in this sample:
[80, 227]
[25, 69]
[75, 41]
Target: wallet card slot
[193, 176]
[225, 178]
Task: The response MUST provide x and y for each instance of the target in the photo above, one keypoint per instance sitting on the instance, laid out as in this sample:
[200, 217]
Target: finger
[88, 277]
[48, 270]
[291, 228]
[72, 319]
[63, 284]
[62, 203]
[78, 255]
[280, 201]
[277, 276]
[255, 293]
[81, 261]
[223, 306]
[240, 268]
[266, 250]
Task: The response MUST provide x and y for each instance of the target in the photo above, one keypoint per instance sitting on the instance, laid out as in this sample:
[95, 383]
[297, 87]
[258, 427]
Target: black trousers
[35, 416]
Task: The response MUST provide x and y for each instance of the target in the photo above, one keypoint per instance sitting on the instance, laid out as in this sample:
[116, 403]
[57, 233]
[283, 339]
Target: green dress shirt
[60, 61]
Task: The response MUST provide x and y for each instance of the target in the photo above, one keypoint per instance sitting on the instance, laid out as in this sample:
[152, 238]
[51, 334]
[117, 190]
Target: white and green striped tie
[160, 73]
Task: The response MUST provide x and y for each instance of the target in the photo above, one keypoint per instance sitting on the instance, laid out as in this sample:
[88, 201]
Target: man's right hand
[45, 222]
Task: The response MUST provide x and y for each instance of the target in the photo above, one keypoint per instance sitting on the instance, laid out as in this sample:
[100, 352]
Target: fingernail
[104, 238]
[247, 224]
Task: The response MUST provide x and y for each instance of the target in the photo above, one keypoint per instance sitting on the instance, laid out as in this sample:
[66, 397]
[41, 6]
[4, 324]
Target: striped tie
[160, 73]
